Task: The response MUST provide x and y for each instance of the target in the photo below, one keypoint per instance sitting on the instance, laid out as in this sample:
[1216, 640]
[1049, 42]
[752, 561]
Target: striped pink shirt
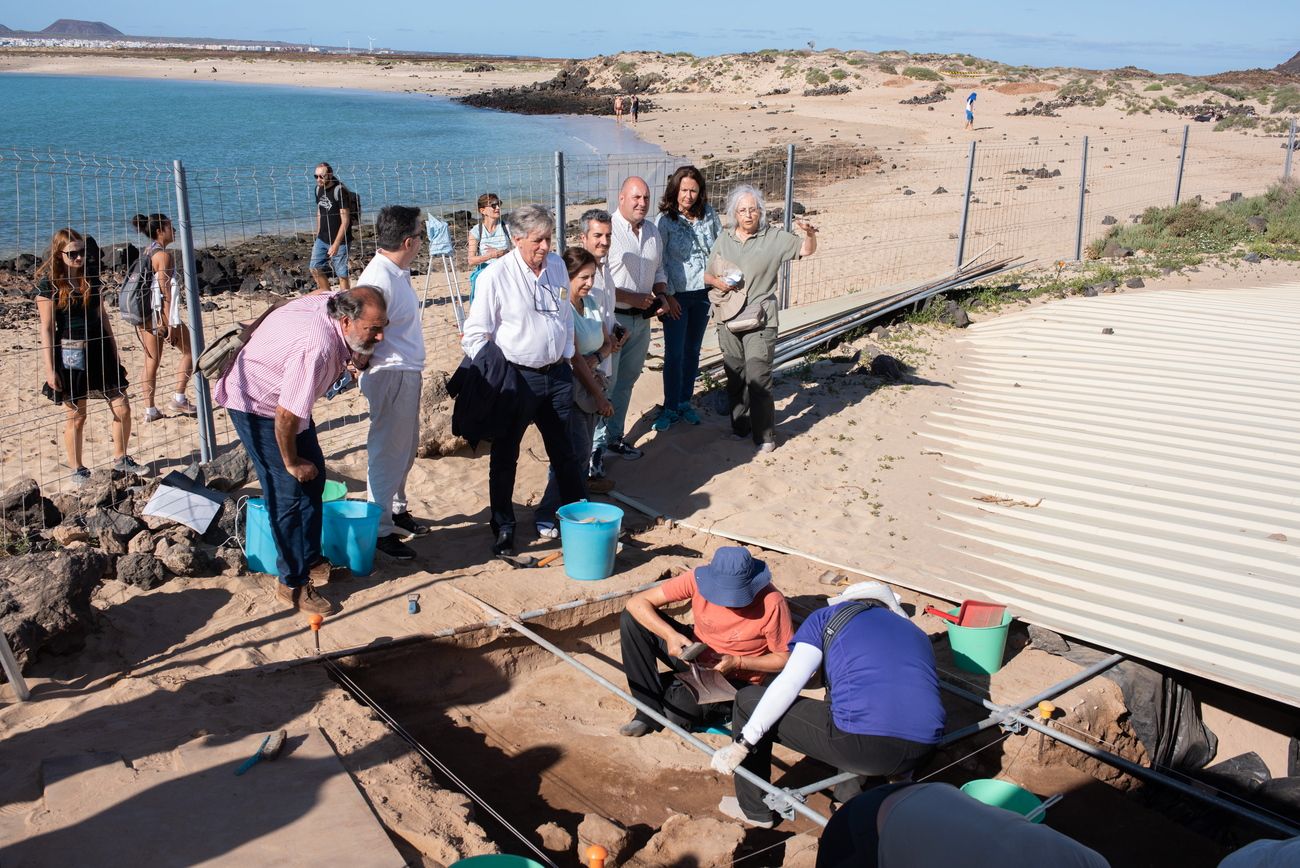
[293, 357]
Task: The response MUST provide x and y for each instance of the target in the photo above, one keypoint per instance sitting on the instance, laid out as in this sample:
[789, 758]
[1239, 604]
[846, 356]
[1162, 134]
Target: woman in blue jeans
[689, 227]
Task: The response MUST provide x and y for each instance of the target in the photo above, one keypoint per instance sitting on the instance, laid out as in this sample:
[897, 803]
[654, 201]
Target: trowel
[521, 562]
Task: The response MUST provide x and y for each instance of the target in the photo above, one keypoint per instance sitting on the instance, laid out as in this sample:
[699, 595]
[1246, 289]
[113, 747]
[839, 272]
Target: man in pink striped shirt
[297, 353]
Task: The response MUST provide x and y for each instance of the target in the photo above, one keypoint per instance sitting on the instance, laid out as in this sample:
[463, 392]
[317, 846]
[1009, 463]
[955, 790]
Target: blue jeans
[628, 363]
[682, 339]
[293, 507]
[320, 258]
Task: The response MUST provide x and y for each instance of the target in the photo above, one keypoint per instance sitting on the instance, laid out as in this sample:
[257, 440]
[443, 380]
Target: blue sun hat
[733, 579]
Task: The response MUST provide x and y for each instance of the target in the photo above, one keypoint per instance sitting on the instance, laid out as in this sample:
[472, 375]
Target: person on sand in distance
[522, 311]
[882, 716]
[737, 613]
[759, 251]
[333, 230]
[618, 109]
[970, 111]
[297, 353]
[394, 379]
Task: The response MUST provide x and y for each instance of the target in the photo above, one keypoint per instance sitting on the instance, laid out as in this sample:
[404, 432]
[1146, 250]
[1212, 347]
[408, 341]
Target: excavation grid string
[355, 689]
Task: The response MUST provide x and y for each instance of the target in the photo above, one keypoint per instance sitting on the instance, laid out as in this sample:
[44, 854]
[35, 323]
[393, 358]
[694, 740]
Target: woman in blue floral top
[689, 227]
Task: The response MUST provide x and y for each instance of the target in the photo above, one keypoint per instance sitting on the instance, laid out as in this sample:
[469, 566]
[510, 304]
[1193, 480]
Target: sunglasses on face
[78, 253]
[492, 205]
[322, 177]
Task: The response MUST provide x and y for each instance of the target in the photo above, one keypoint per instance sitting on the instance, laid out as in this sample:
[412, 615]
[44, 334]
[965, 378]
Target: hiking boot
[182, 405]
[393, 546]
[688, 414]
[599, 485]
[80, 477]
[127, 464]
[407, 522]
[730, 806]
[624, 450]
[303, 598]
[324, 573]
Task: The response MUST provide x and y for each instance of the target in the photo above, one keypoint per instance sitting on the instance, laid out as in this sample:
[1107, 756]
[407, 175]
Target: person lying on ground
[882, 716]
[737, 613]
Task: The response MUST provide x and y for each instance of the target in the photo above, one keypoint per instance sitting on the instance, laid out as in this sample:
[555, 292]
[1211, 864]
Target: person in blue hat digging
[736, 612]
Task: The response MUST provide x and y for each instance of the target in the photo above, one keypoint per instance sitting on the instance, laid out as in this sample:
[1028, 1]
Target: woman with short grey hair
[754, 254]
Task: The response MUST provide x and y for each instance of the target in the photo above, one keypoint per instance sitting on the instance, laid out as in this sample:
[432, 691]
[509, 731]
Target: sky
[1191, 36]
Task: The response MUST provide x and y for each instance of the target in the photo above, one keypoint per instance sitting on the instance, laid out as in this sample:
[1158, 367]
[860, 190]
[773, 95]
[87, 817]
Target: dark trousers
[581, 428]
[682, 339]
[544, 399]
[807, 728]
[293, 507]
[747, 359]
[850, 839]
[642, 652]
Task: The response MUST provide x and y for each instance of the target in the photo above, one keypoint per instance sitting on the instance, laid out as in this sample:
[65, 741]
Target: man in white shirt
[393, 381]
[640, 290]
[521, 305]
[597, 230]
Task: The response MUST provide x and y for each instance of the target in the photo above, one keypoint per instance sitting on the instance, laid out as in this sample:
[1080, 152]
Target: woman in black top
[78, 351]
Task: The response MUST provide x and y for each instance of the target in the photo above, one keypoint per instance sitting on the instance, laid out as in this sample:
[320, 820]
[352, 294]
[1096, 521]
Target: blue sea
[91, 151]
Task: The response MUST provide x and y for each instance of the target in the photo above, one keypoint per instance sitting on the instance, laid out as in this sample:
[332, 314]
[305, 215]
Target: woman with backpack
[488, 240]
[162, 323]
[78, 350]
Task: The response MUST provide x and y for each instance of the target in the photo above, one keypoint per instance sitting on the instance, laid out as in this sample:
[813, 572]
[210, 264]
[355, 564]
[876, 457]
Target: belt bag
[74, 355]
[752, 317]
[584, 399]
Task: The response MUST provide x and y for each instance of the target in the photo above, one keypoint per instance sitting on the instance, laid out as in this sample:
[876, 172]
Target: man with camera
[640, 292]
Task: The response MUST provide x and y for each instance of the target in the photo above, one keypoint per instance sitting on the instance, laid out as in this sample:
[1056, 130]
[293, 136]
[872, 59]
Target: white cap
[878, 591]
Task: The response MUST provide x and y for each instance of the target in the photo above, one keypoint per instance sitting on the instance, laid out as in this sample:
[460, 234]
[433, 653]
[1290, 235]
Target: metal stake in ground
[783, 796]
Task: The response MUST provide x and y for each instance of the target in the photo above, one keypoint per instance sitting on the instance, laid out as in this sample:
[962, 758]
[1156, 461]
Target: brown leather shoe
[304, 599]
[600, 484]
[325, 573]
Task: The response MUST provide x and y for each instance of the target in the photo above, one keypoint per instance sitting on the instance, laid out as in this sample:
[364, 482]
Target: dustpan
[973, 613]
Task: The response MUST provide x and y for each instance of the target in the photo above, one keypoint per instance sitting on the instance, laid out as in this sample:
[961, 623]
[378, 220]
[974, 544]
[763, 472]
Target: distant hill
[1291, 67]
[75, 29]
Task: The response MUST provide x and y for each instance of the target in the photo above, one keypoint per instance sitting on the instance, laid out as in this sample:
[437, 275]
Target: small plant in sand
[1286, 100]
[1155, 85]
[922, 73]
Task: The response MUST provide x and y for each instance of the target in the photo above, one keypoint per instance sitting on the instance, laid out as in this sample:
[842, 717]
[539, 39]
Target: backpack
[350, 200]
[226, 345]
[135, 298]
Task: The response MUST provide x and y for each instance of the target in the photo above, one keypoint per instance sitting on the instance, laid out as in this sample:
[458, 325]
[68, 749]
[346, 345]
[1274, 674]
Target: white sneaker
[152, 414]
[730, 806]
[183, 405]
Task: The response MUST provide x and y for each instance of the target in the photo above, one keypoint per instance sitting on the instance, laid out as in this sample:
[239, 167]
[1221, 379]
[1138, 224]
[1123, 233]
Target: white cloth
[173, 307]
[878, 591]
[527, 316]
[602, 298]
[402, 348]
[783, 691]
[636, 258]
[394, 398]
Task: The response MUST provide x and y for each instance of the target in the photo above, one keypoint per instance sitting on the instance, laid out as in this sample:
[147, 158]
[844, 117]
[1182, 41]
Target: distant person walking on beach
[636, 107]
[333, 230]
[300, 351]
[163, 324]
[393, 382]
[618, 108]
[488, 240]
[78, 349]
[970, 111]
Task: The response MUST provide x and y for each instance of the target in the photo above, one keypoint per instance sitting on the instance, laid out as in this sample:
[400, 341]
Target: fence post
[185, 232]
[1182, 160]
[965, 206]
[789, 222]
[1083, 194]
[1290, 149]
[12, 671]
[559, 202]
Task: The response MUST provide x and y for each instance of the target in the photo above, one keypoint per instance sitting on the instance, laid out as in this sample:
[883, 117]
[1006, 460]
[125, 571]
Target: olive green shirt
[759, 258]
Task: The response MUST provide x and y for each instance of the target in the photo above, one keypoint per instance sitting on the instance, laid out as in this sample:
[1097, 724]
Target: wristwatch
[740, 739]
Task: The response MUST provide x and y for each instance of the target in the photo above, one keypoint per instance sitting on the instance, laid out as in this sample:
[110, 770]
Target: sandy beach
[853, 482]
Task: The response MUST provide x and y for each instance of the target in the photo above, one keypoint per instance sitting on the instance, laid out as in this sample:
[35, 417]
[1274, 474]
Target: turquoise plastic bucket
[259, 546]
[979, 649]
[1004, 794]
[589, 538]
[497, 860]
[349, 532]
[334, 490]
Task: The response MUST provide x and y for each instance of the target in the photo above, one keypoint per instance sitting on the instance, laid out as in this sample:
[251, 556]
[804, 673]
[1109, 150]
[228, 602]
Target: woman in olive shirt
[78, 351]
[758, 251]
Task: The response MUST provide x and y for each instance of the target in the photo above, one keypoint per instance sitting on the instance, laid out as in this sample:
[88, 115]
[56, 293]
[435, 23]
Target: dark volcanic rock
[23, 508]
[45, 599]
[955, 315]
[888, 368]
[142, 570]
[229, 470]
[569, 92]
[939, 94]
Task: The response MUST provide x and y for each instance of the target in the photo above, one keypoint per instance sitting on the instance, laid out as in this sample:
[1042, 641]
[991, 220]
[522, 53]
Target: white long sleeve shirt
[636, 257]
[528, 316]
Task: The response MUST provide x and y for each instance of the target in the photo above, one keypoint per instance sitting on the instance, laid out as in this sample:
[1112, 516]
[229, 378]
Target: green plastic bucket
[497, 860]
[334, 490]
[979, 649]
[1004, 794]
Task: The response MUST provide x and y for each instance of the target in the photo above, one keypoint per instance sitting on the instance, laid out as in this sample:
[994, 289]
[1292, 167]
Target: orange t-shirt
[762, 627]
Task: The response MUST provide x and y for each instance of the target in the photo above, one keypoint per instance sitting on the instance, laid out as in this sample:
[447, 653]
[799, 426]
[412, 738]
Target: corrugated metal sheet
[1139, 489]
